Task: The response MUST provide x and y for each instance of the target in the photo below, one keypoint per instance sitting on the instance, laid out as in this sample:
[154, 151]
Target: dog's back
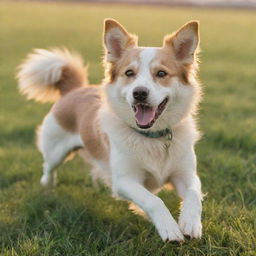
[77, 112]
[59, 75]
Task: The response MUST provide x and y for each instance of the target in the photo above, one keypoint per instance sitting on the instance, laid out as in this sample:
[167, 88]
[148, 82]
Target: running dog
[137, 129]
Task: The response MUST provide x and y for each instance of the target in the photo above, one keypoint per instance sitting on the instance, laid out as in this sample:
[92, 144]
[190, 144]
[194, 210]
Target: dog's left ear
[184, 42]
[116, 40]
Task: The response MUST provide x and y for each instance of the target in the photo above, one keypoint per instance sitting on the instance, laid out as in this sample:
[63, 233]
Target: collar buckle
[169, 135]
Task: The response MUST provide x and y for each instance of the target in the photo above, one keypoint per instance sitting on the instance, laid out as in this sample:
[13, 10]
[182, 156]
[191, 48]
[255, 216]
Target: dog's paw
[191, 226]
[170, 233]
[48, 181]
[168, 229]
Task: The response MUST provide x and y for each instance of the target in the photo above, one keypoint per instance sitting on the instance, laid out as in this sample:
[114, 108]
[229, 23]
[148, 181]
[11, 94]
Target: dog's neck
[164, 133]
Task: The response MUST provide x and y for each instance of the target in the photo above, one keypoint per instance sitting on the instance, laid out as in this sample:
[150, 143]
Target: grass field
[77, 219]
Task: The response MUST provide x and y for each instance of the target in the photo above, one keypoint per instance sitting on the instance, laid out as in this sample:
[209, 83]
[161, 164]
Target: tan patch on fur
[111, 23]
[187, 65]
[117, 40]
[118, 50]
[131, 39]
[118, 68]
[166, 61]
[71, 78]
[184, 45]
[77, 112]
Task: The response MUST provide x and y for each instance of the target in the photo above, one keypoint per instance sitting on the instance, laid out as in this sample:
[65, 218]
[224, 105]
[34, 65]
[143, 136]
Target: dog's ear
[184, 42]
[116, 40]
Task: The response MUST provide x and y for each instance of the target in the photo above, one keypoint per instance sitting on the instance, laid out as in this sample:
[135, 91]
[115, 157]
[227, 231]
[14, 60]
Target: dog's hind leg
[55, 144]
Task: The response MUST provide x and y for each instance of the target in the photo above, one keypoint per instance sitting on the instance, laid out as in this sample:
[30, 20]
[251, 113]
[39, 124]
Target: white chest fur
[158, 157]
[150, 155]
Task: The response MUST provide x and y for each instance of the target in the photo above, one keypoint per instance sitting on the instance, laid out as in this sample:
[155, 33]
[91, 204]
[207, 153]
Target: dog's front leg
[127, 183]
[188, 186]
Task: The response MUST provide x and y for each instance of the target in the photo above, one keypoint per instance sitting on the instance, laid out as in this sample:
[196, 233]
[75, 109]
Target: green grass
[76, 219]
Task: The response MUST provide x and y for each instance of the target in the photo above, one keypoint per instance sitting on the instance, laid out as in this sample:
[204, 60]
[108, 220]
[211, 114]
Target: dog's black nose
[140, 93]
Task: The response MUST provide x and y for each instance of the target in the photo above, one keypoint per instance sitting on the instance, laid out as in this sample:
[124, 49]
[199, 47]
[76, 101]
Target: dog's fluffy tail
[45, 75]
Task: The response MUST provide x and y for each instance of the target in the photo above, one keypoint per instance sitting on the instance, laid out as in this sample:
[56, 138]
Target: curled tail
[45, 75]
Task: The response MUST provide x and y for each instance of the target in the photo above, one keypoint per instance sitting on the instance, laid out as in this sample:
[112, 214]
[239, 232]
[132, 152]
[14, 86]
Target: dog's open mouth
[146, 115]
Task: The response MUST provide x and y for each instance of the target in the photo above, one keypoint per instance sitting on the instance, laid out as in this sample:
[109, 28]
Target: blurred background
[76, 219]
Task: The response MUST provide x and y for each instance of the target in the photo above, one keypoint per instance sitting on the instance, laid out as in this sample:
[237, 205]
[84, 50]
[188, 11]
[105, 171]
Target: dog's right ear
[116, 40]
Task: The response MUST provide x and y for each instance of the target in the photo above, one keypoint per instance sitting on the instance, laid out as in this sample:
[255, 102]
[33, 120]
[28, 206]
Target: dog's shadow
[84, 217]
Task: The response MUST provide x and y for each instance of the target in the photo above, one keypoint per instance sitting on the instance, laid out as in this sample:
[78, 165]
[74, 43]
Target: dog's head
[151, 87]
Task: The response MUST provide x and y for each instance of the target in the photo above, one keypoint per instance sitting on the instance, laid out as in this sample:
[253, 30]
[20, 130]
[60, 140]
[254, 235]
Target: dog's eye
[161, 73]
[129, 73]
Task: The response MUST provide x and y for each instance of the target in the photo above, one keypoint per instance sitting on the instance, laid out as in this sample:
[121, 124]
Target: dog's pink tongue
[144, 114]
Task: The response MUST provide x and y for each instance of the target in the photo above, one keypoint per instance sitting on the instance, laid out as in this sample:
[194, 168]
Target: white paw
[44, 180]
[48, 180]
[190, 225]
[168, 229]
[170, 232]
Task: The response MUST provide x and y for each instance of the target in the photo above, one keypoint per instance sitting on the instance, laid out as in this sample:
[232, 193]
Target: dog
[137, 129]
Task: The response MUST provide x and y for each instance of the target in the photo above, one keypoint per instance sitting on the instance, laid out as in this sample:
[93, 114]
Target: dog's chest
[158, 160]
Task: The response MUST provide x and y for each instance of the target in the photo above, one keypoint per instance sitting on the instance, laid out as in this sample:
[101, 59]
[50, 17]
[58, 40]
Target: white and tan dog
[137, 129]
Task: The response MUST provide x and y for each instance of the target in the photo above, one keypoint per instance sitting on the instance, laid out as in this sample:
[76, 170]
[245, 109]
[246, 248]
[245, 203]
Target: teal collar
[167, 133]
